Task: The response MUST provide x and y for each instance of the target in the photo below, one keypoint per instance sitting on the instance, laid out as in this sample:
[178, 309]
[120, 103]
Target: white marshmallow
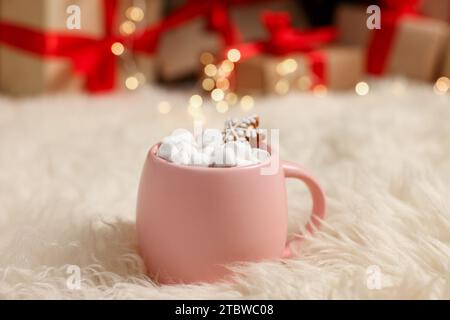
[180, 135]
[167, 151]
[224, 157]
[242, 149]
[182, 158]
[200, 159]
[186, 147]
[260, 155]
[210, 137]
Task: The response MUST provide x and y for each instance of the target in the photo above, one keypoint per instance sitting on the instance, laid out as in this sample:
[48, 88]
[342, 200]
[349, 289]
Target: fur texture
[69, 170]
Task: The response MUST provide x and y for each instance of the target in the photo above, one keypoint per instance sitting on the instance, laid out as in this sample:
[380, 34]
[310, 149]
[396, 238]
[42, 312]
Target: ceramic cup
[193, 221]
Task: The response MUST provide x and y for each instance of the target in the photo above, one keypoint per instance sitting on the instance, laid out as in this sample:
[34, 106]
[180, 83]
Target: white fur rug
[69, 169]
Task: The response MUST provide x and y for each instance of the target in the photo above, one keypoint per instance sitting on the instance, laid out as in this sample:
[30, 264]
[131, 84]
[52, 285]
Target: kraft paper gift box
[417, 46]
[180, 48]
[336, 68]
[24, 72]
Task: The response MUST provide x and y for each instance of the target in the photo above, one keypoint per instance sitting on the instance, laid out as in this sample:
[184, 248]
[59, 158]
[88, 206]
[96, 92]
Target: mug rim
[153, 154]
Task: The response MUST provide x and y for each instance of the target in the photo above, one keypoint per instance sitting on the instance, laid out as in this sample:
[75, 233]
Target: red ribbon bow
[284, 39]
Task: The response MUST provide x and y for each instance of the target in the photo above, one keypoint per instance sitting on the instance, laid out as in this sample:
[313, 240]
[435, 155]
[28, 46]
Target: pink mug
[192, 221]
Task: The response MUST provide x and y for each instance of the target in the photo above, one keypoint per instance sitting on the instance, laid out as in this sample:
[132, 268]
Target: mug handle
[292, 170]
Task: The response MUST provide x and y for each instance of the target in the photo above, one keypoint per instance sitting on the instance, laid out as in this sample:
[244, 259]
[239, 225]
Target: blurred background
[227, 51]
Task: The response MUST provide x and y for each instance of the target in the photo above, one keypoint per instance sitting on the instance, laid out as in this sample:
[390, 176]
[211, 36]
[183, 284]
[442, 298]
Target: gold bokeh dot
[127, 28]
[195, 111]
[164, 107]
[208, 84]
[442, 84]
[222, 106]
[362, 88]
[210, 70]
[223, 84]
[117, 48]
[231, 98]
[320, 90]
[286, 67]
[196, 101]
[304, 83]
[132, 83]
[227, 66]
[217, 95]
[234, 55]
[282, 87]
[135, 13]
[247, 103]
[206, 58]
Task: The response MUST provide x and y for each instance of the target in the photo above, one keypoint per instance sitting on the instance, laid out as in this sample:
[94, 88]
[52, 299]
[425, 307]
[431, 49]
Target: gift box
[293, 59]
[334, 67]
[405, 38]
[40, 54]
[196, 27]
[180, 48]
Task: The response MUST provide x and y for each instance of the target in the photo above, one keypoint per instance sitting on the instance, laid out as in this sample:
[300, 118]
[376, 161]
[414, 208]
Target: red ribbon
[382, 41]
[284, 39]
[93, 58]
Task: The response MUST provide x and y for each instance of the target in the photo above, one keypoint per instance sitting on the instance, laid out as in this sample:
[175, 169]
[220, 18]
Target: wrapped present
[40, 54]
[180, 48]
[438, 9]
[293, 59]
[215, 25]
[201, 27]
[404, 39]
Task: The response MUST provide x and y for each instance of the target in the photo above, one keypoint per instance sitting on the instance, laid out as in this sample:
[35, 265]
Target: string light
[206, 58]
[132, 83]
[247, 103]
[320, 90]
[210, 70]
[135, 13]
[117, 48]
[164, 107]
[140, 77]
[195, 111]
[222, 106]
[223, 84]
[196, 101]
[362, 88]
[127, 28]
[304, 83]
[227, 66]
[441, 86]
[208, 84]
[217, 94]
[282, 86]
[231, 98]
[234, 55]
[286, 67]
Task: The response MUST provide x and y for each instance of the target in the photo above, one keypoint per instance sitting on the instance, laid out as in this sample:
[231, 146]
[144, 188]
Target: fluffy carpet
[69, 170]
